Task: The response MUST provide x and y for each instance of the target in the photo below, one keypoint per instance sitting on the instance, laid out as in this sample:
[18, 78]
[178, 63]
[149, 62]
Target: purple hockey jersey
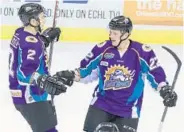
[121, 77]
[27, 55]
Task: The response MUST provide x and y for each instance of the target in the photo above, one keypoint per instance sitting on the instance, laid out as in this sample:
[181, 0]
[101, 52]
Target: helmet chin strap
[38, 28]
[121, 40]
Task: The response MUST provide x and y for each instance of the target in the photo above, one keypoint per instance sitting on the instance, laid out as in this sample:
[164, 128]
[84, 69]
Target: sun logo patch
[31, 39]
[99, 45]
[118, 77]
[146, 48]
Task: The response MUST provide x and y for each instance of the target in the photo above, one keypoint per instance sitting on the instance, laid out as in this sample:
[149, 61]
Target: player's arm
[13, 61]
[156, 75]
[152, 68]
[69, 76]
[88, 70]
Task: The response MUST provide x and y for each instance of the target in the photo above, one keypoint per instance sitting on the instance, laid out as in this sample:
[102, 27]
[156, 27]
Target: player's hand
[66, 77]
[170, 97]
[51, 85]
[49, 35]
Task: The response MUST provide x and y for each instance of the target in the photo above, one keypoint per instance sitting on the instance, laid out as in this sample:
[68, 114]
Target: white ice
[72, 106]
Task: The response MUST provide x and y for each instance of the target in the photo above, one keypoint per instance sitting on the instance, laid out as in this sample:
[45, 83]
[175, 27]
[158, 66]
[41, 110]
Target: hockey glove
[169, 96]
[51, 85]
[49, 35]
[66, 77]
[48, 83]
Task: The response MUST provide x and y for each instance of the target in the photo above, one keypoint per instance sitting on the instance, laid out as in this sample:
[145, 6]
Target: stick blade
[174, 55]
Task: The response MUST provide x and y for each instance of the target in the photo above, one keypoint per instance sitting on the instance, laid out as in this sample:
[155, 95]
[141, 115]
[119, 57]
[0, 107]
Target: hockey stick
[179, 63]
[52, 44]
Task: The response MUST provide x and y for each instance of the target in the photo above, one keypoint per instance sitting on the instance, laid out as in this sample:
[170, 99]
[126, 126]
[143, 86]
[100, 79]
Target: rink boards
[158, 36]
[156, 22]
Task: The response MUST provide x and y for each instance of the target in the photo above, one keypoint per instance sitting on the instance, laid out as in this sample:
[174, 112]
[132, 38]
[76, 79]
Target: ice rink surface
[72, 106]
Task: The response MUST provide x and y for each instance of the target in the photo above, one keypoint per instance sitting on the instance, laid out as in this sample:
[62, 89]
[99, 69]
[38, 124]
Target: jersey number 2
[31, 54]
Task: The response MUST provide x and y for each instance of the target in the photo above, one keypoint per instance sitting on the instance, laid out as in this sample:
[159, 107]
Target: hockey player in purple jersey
[29, 79]
[120, 65]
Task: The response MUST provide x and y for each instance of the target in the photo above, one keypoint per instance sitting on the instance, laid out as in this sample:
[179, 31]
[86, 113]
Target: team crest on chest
[118, 77]
[31, 39]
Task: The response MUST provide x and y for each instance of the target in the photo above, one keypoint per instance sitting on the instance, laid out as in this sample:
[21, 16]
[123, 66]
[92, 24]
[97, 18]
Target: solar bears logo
[118, 77]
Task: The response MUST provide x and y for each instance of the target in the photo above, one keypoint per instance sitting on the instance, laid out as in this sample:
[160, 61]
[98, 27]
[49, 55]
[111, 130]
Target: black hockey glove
[170, 97]
[66, 77]
[51, 85]
[49, 35]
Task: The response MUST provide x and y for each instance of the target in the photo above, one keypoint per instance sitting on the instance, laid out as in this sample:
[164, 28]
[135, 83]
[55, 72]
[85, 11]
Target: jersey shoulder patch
[146, 48]
[101, 44]
[15, 41]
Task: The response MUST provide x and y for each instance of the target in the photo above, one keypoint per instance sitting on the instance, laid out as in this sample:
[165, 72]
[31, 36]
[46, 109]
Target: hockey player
[29, 79]
[120, 65]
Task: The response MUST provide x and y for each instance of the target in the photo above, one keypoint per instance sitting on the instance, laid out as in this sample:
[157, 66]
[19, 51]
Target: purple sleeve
[96, 51]
[13, 61]
[89, 57]
[91, 61]
[151, 66]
